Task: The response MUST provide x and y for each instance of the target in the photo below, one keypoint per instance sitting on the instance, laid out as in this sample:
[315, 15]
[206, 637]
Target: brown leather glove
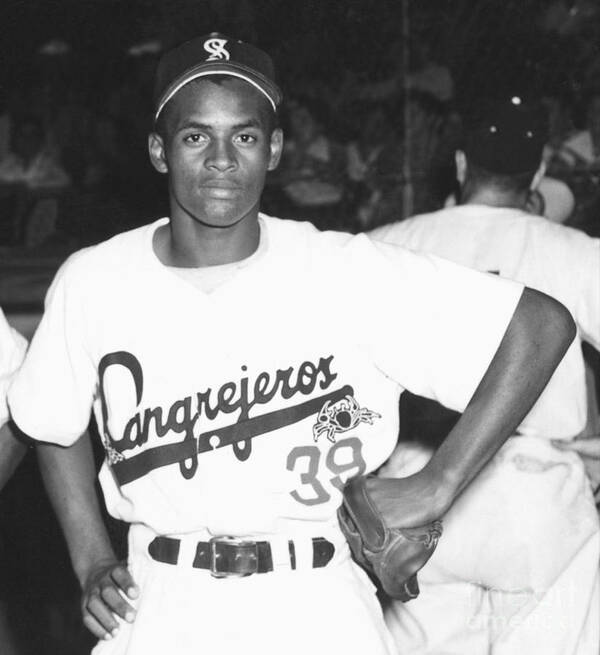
[393, 555]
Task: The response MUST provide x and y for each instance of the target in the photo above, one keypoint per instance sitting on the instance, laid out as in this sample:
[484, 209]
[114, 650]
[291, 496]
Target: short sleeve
[50, 398]
[587, 310]
[437, 325]
[12, 352]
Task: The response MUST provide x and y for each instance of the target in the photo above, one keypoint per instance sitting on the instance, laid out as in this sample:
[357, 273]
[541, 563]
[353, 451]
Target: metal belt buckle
[232, 557]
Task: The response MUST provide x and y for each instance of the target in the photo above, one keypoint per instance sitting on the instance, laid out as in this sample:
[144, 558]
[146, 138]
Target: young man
[241, 369]
[517, 569]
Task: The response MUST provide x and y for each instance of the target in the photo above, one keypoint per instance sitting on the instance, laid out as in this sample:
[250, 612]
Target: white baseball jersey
[12, 351]
[560, 261]
[246, 409]
[243, 411]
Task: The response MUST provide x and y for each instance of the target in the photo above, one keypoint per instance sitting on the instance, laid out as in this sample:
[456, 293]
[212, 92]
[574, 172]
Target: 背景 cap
[506, 136]
[214, 54]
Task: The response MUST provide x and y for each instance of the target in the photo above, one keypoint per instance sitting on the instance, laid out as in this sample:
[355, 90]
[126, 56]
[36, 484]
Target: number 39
[336, 461]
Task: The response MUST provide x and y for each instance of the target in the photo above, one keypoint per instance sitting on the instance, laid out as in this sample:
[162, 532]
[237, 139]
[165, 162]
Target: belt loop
[304, 553]
[187, 552]
[280, 553]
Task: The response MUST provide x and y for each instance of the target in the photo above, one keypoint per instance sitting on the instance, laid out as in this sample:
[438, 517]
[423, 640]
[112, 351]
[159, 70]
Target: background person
[521, 546]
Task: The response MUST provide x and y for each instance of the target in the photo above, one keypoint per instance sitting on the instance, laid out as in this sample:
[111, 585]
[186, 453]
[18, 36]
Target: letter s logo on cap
[216, 48]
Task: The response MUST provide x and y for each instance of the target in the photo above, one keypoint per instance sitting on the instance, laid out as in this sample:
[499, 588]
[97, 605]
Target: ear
[276, 148]
[537, 178]
[156, 149]
[460, 160]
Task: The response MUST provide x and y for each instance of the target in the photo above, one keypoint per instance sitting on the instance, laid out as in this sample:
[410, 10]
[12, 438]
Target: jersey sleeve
[51, 396]
[438, 324]
[587, 311]
[12, 351]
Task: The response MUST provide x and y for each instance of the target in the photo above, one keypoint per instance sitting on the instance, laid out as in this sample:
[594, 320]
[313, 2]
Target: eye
[246, 139]
[194, 138]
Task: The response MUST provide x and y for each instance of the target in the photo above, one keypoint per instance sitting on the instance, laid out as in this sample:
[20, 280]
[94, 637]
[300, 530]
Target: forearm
[537, 338]
[69, 477]
[12, 452]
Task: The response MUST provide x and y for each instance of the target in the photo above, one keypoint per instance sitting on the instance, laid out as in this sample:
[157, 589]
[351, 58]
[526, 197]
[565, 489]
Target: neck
[191, 244]
[495, 198]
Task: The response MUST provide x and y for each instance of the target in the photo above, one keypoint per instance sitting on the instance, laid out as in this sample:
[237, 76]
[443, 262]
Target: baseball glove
[393, 555]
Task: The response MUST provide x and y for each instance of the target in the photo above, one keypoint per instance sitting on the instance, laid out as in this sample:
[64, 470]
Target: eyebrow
[252, 122]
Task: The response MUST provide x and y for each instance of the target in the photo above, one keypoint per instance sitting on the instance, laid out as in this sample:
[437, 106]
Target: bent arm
[12, 452]
[539, 334]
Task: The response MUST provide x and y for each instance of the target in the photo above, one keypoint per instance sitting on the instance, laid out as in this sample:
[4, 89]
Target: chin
[222, 217]
[225, 214]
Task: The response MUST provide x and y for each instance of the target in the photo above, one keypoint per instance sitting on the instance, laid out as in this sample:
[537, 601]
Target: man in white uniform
[241, 369]
[517, 569]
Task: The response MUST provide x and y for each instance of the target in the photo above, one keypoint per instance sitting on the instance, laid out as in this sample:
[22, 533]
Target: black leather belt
[233, 557]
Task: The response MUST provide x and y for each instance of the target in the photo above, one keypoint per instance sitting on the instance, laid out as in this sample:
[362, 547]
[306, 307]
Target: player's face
[217, 149]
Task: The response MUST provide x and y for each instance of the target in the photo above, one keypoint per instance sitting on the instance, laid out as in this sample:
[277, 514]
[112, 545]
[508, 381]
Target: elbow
[570, 326]
[554, 321]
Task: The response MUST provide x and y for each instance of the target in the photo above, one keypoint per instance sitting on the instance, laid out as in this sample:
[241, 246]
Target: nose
[221, 156]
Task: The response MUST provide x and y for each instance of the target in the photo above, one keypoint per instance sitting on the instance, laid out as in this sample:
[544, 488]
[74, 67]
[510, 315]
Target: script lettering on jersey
[182, 415]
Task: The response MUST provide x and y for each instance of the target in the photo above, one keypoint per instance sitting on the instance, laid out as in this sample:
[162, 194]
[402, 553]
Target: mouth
[220, 189]
[220, 184]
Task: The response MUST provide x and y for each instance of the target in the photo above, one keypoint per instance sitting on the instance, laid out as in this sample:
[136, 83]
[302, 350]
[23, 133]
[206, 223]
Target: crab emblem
[340, 417]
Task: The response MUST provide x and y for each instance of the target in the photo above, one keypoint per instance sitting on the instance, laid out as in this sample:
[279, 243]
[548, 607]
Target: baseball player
[517, 569]
[241, 368]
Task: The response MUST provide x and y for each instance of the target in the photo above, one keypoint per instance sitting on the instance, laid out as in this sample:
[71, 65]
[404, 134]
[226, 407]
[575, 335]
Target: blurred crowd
[362, 148]
[74, 167]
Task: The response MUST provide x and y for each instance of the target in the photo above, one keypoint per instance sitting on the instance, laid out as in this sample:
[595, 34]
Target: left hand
[409, 502]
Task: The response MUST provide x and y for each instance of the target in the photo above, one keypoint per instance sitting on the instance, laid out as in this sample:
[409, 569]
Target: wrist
[91, 561]
[444, 487]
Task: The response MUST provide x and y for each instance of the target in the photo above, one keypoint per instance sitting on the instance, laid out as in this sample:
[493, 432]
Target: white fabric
[316, 314]
[516, 570]
[12, 351]
[560, 261]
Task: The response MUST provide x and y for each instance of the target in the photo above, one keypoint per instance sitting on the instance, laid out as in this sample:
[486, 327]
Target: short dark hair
[160, 124]
[478, 177]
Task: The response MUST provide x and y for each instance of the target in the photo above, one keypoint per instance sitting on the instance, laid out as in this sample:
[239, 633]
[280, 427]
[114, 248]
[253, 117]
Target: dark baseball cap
[214, 54]
[507, 135]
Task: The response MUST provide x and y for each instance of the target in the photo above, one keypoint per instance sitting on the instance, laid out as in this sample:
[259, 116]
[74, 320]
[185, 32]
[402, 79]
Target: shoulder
[561, 235]
[302, 246]
[302, 235]
[399, 231]
[107, 262]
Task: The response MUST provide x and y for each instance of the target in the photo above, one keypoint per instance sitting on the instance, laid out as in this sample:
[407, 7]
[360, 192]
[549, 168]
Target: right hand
[103, 599]
[412, 501]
